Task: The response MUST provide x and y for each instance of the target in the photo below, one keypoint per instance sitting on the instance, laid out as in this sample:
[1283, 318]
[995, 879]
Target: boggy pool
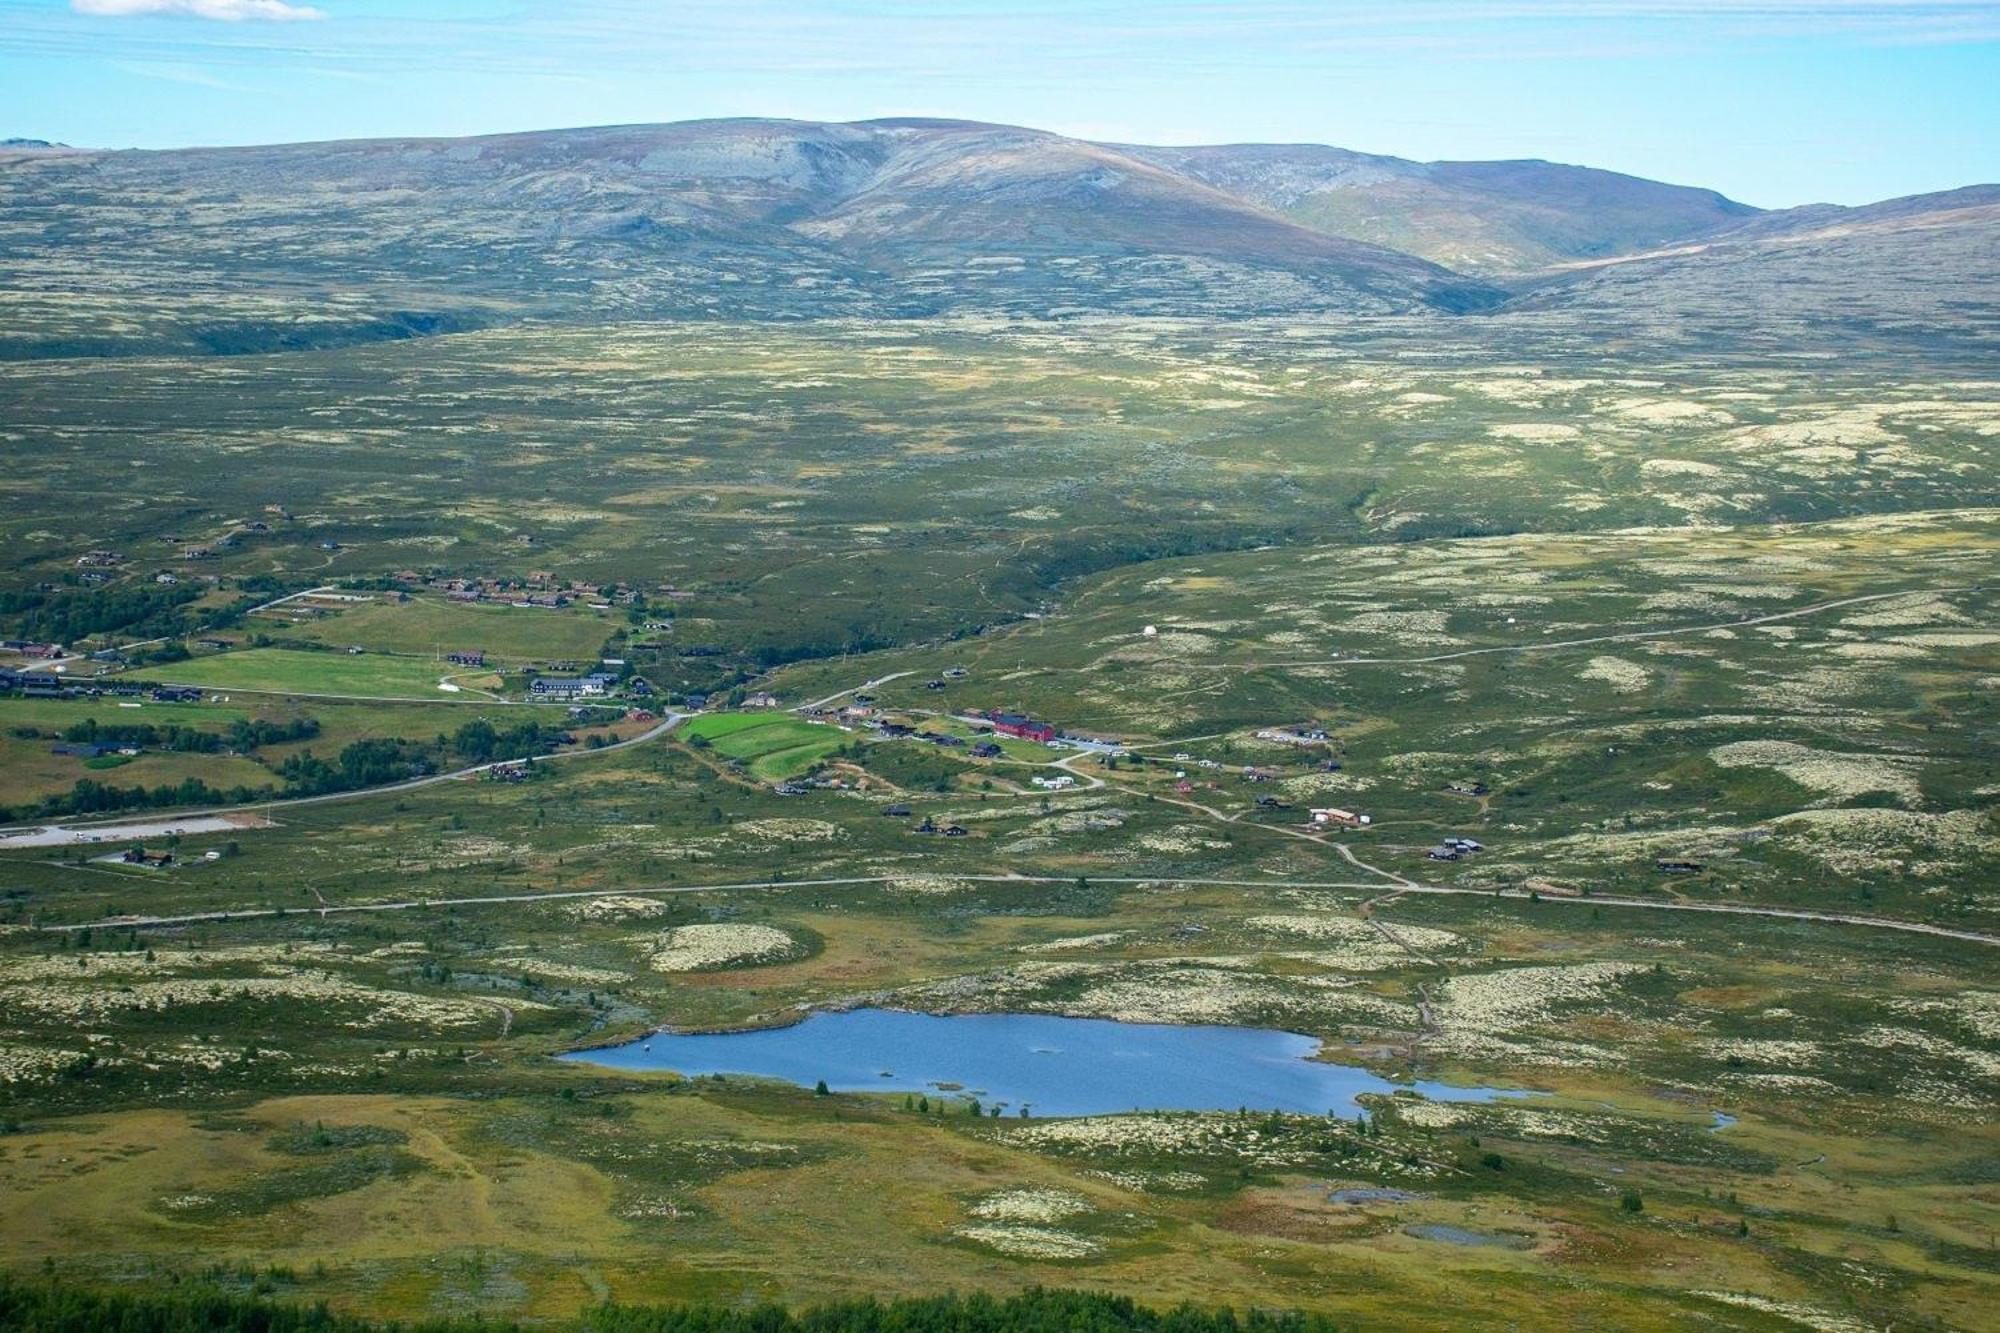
[1052, 1065]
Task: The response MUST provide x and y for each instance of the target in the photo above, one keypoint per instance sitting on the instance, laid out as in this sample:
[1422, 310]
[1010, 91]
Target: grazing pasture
[433, 628]
[772, 746]
[353, 675]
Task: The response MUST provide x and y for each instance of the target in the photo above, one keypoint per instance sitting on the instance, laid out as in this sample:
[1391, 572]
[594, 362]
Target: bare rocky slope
[1492, 218]
[1921, 271]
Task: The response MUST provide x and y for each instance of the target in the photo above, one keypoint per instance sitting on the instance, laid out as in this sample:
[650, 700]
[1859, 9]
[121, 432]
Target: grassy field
[30, 729]
[360, 676]
[34, 772]
[428, 627]
[771, 746]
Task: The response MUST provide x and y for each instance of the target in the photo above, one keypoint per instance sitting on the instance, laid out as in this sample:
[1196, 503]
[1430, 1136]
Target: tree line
[59, 1307]
[379, 761]
[144, 610]
[375, 762]
[242, 735]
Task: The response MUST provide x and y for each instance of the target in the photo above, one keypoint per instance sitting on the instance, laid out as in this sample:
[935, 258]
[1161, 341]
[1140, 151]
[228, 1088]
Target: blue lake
[1055, 1066]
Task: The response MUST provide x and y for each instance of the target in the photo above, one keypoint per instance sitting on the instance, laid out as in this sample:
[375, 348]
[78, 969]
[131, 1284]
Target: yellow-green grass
[31, 771]
[902, 1186]
[865, 1201]
[427, 626]
[291, 671]
[57, 714]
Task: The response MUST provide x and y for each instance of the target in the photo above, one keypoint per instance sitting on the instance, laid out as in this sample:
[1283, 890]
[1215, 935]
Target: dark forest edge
[59, 1307]
[376, 762]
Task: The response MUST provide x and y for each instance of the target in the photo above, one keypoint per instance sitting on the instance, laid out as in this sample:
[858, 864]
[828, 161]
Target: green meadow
[433, 628]
[337, 673]
[771, 746]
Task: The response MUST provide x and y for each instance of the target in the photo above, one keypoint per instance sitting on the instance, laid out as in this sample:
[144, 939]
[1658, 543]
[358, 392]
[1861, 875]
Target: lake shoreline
[1084, 1065]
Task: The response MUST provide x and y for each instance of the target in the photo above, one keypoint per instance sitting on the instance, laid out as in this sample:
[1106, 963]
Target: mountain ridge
[268, 247]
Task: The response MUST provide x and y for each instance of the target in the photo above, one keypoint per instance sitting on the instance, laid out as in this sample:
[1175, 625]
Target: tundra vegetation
[1701, 646]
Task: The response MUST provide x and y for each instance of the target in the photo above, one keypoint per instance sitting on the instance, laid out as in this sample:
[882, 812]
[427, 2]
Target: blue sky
[1775, 102]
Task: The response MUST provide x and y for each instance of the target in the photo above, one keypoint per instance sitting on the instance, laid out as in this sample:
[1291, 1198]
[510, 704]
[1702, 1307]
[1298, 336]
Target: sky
[1774, 102]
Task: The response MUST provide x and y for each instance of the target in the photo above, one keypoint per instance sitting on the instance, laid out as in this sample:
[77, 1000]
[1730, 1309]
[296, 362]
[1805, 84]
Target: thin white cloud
[178, 73]
[221, 11]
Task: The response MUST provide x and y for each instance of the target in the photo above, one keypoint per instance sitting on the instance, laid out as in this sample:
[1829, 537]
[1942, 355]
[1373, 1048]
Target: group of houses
[1020, 726]
[1306, 735]
[592, 686]
[94, 749]
[539, 588]
[46, 685]
[896, 731]
[929, 826]
[803, 786]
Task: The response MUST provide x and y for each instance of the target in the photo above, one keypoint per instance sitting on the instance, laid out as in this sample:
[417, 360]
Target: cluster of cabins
[929, 826]
[1021, 726]
[862, 712]
[897, 731]
[1024, 727]
[190, 548]
[94, 749]
[595, 685]
[1310, 735]
[592, 685]
[540, 588]
[37, 684]
[45, 685]
[1453, 849]
[800, 786]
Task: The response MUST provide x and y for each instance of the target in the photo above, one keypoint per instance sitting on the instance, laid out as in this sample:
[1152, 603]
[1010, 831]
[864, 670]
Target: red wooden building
[1015, 724]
